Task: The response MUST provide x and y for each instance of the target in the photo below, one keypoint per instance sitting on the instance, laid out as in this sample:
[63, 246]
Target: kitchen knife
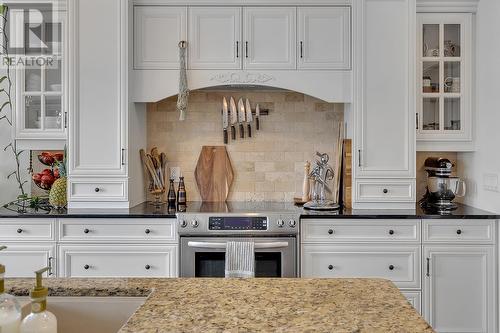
[233, 118]
[241, 117]
[225, 119]
[249, 117]
[257, 115]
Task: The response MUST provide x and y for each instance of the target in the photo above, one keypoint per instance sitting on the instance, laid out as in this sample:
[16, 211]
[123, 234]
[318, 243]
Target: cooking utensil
[214, 174]
[225, 119]
[233, 117]
[241, 117]
[257, 115]
[249, 117]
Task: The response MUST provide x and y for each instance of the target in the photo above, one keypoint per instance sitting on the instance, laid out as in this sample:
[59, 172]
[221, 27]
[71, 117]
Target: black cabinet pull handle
[19, 231]
[301, 50]
[97, 189]
[330, 267]
[147, 231]
[391, 267]
[428, 266]
[385, 191]
[86, 266]
[459, 231]
[246, 49]
[391, 232]
[86, 230]
[237, 49]
[147, 267]
[330, 231]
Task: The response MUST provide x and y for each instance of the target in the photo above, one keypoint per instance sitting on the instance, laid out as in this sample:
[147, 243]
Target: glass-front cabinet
[444, 120]
[41, 96]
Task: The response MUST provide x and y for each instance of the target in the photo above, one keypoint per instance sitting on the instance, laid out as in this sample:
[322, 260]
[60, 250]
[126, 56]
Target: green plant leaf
[4, 105]
[7, 147]
[3, 78]
[11, 174]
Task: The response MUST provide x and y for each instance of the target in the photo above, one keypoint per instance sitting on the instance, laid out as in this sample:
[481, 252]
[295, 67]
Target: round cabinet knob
[292, 223]
[280, 223]
[147, 231]
[330, 231]
[391, 232]
[147, 267]
[385, 191]
[194, 223]
[86, 266]
[97, 189]
[86, 230]
[391, 267]
[183, 223]
[330, 267]
[19, 231]
[459, 232]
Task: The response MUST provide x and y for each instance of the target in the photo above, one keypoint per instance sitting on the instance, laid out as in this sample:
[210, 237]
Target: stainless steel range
[203, 238]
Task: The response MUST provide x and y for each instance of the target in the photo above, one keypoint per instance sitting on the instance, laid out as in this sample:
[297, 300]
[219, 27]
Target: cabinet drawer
[118, 261]
[23, 260]
[340, 230]
[83, 190]
[19, 230]
[117, 230]
[400, 264]
[386, 190]
[414, 298]
[459, 231]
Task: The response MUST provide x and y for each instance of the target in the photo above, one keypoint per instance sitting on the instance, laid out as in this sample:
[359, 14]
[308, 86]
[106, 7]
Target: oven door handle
[210, 245]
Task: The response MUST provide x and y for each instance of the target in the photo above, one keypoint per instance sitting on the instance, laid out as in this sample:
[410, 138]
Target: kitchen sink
[89, 314]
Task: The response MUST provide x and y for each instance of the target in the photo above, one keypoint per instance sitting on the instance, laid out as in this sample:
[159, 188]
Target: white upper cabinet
[384, 74]
[324, 37]
[269, 37]
[98, 72]
[214, 38]
[157, 33]
[444, 52]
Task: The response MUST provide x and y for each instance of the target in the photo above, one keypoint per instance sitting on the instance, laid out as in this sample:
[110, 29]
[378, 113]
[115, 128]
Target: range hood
[329, 85]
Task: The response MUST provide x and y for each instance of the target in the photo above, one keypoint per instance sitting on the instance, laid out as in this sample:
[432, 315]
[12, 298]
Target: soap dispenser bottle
[10, 310]
[39, 320]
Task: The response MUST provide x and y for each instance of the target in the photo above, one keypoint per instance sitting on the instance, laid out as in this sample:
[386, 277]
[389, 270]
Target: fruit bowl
[48, 159]
[45, 179]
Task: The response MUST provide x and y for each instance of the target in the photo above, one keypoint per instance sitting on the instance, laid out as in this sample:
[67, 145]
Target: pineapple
[57, 195]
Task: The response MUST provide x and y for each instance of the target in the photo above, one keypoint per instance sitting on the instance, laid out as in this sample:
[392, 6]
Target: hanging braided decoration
[182, 98]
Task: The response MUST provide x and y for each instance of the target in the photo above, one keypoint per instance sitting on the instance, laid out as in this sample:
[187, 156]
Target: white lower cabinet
[459, 288]
[22, 260]
[400, 264]
[414, 298]
[118, 261]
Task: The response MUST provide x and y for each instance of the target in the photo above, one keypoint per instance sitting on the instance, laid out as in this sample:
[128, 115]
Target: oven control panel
[237, 223]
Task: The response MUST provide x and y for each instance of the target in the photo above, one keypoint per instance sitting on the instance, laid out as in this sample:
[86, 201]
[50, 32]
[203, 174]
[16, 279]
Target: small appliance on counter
[442, 188]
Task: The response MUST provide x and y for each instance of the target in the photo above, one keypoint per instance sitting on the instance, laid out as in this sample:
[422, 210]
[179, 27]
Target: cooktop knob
[280, 223]
[194, 224]
[183, 223]
[292, 223]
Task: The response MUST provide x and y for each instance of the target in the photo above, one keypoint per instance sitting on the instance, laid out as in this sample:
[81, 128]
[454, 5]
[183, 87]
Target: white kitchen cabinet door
[269, 37]
[324, 35]
[459, 288]
[157, 33]
[23, 260]
[384, 89]
[215, 38]
[414, 298]
[98, 88]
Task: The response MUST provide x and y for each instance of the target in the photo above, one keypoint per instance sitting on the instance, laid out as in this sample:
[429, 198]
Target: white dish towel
[240, 259]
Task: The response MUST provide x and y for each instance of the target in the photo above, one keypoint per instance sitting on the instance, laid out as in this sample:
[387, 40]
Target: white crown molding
[242, 2]
[447, 6]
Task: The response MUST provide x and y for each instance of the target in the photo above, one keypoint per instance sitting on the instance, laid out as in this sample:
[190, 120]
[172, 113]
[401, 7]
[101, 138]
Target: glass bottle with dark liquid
[181, 196]
[171, 197]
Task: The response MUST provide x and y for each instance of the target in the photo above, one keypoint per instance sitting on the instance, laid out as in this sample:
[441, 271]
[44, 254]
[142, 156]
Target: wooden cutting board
[214, 174]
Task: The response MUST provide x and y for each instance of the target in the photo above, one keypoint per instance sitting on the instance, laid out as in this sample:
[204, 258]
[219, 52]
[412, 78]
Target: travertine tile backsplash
[268, 166]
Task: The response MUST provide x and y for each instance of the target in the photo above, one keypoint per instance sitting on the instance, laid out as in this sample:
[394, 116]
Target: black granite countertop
[146, 210]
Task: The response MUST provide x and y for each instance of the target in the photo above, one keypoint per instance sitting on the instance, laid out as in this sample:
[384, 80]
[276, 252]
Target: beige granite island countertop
[251, 305]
